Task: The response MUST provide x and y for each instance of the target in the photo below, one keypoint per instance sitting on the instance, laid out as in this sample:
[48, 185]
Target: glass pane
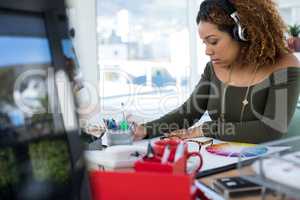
[144, 55]
[290, 11]
[34, 155]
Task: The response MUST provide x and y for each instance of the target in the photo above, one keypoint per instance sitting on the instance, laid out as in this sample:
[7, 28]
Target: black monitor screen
[34, 152]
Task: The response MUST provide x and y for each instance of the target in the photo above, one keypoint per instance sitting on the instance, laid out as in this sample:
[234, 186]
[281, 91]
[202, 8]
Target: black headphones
[239, 33]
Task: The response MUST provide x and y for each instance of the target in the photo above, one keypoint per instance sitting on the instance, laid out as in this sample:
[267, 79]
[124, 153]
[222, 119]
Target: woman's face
[222, 49]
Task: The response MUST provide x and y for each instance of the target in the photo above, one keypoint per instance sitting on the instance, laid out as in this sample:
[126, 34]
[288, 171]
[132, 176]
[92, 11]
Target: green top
[272, 103]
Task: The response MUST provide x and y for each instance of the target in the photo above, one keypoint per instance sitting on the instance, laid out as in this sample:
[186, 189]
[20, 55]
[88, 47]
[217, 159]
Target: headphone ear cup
[244, 34]
[235, 33]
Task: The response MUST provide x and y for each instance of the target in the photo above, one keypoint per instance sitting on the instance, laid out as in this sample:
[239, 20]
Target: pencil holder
[155, 165]
[119, 137]
[171, 164]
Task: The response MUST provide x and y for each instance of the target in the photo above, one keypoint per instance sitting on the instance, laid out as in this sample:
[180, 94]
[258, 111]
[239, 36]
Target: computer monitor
[40, 153]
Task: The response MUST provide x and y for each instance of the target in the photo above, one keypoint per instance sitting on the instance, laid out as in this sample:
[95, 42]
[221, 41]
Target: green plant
[8, 168]
[50, 161]
[294, 30]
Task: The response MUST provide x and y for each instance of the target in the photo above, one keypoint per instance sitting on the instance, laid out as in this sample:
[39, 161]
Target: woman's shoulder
[287, 61]
[287, 69]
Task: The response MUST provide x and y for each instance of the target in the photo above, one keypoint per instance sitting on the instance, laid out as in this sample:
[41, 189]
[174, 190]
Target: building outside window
[144, 55]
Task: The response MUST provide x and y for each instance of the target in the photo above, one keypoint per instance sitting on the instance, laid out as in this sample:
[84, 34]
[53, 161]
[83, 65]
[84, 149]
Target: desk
[206, 180]
[209, 180]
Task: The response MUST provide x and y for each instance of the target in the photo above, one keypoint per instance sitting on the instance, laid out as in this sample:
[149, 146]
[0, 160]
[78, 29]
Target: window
[290, 11]
[144, 55]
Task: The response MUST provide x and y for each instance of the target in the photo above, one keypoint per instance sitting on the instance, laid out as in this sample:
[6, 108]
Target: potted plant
[294, 40]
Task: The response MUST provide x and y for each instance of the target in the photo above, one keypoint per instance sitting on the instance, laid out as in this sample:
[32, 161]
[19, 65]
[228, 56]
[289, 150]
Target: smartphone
[235, 186]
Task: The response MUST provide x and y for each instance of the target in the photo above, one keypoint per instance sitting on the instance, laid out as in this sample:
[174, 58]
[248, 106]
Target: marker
[124, 126]
[114, 124]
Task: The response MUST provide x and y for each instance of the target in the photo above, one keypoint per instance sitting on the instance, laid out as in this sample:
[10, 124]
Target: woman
[251, 85]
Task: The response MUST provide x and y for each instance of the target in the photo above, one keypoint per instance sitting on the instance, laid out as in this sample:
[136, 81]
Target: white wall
[287, 3]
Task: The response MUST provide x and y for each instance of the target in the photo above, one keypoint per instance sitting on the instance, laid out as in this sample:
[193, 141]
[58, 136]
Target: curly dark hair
[264, 27]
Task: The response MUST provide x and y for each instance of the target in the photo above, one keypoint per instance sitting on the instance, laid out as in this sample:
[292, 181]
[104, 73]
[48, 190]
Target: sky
[23, 50]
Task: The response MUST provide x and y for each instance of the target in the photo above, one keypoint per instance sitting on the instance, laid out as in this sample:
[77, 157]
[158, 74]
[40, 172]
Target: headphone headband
[227, 6]
[239, 32]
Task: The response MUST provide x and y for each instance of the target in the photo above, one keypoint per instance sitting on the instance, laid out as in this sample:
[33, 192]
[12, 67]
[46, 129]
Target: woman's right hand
[139, 132]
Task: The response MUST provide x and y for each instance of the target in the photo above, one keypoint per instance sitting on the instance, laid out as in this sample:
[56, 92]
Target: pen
[179, 151]
[123, 111]
[132, 126]
[105, 124]
[114, 124]
[150, 153]
[109, 124]
[166, 155]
